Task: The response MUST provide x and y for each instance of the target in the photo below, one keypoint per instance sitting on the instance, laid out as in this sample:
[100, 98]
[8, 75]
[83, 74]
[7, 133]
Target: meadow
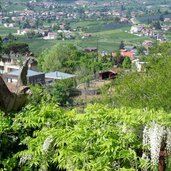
[4, 31]
[105, 40]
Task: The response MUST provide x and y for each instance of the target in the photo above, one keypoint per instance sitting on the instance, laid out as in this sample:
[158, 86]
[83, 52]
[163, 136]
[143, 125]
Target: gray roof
[58, 75]
[129, 47]
[30, 73]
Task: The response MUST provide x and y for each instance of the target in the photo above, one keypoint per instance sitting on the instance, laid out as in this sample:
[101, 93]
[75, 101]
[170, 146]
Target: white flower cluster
[47, 143]
[153, 137]
[116, 165]
[168, 140]
[24, 159]
[124, 128]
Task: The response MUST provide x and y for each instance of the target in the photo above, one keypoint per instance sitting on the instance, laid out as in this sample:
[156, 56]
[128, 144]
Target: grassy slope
[107, 40]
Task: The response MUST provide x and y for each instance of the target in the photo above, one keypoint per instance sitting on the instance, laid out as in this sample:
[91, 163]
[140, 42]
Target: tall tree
[121, 46]
[62, 57]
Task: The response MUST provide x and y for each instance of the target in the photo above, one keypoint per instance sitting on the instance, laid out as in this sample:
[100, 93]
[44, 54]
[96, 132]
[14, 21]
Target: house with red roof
[129, 54]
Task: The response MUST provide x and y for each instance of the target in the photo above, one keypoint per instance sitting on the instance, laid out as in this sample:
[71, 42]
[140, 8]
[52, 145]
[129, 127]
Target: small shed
[108, 74]
[33, 77]
[91, 49]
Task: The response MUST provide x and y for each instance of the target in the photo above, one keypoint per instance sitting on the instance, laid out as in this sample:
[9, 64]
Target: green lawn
[5, 31]
[110, 40]
[14, 5]
[168, 35]
[86, 24]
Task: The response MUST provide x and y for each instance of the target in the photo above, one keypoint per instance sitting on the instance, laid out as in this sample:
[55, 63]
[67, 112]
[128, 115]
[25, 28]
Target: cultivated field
[105, 40]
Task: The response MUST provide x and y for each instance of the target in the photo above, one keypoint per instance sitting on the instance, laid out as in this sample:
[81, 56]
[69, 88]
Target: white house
[139, 65]
[136, 29]
[23, 32]
[51, 36]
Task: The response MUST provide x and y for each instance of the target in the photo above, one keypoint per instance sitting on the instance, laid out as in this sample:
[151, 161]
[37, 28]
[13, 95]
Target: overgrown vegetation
[44, 136]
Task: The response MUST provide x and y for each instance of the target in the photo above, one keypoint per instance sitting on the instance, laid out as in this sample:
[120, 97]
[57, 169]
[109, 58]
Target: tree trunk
[162, 160]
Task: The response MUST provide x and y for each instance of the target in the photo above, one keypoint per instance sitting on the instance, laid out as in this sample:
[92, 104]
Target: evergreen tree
[121, 46]
[157, 25]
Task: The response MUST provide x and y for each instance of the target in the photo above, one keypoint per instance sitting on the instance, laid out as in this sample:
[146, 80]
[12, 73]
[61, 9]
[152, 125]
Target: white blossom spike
[47, 143]
[153, 136]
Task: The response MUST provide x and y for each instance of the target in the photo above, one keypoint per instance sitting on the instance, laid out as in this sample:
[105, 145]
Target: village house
[147, 44]
[129, 54]
[8, 64]
[136, 29]
[85, 35]
[123, 19]
[140, 66]
[24, 31]
[167, 19]
[8, 24]
[129, 51]
[51, 35]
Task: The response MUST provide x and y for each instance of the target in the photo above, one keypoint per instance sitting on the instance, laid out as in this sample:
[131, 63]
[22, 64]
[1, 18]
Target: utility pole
[97, 57]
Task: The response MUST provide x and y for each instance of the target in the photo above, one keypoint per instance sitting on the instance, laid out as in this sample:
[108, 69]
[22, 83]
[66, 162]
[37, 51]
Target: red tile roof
[128, 54]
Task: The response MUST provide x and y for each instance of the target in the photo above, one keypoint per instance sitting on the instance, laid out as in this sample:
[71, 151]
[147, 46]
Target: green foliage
[121, 46]
[37, 119]
[68, 58]
[43, 136]
[102, 138]
[11, 37]
[39, 94]
[88, 65]
[157, 25]
[60, 57]
[61, 91]
[8, 142]
[148, 89]
[126, 63]
[4, 123]
[141, 50]
[15, 47]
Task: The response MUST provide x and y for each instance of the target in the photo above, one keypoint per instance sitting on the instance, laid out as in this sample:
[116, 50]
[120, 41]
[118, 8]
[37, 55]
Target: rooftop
[30, 73]
[58, 75]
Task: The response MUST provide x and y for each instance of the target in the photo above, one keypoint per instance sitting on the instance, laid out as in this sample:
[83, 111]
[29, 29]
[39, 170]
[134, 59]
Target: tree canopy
[60, 57]
[16, 48]
[147, 89]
